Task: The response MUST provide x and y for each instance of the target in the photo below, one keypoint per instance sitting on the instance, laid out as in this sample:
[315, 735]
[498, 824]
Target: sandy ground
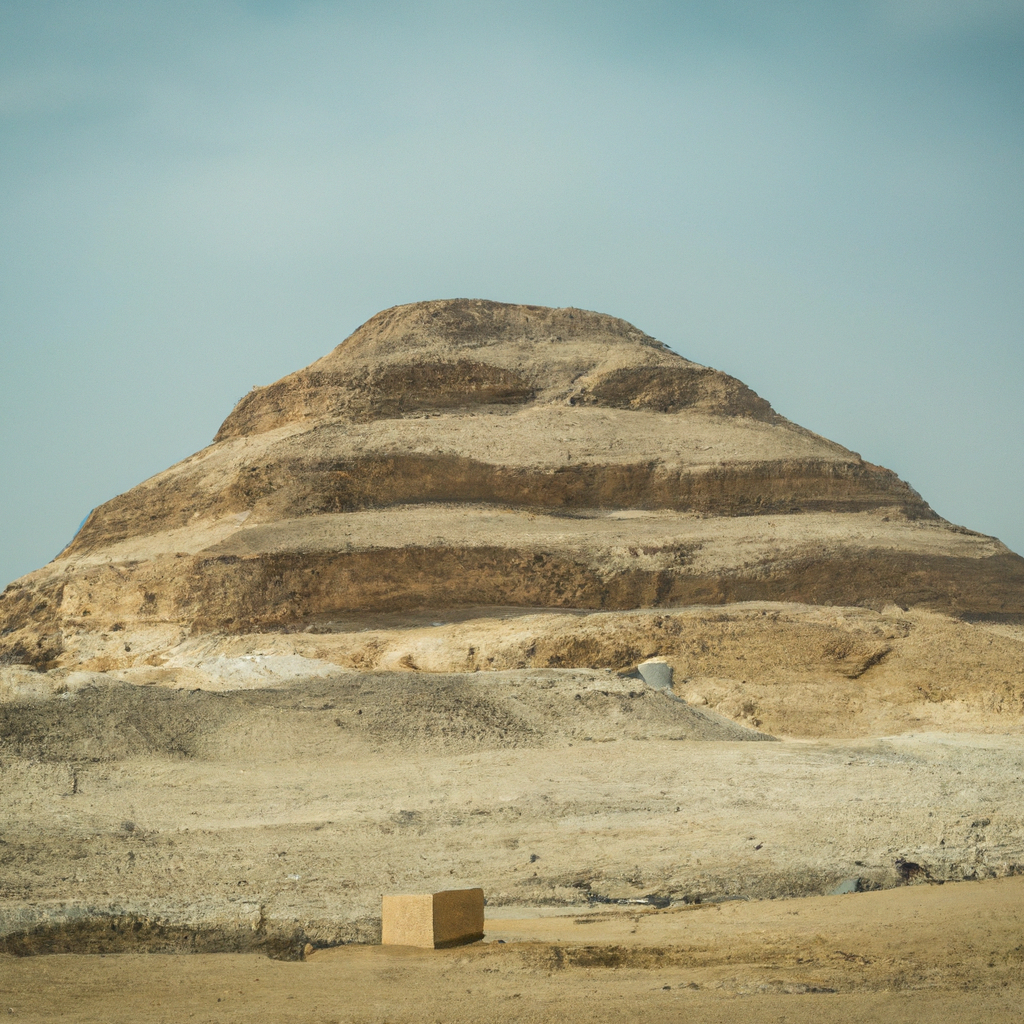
[284, 814]
[923, 953]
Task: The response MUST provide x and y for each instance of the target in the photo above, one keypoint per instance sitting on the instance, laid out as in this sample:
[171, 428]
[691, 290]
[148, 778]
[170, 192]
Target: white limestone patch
[252, 671]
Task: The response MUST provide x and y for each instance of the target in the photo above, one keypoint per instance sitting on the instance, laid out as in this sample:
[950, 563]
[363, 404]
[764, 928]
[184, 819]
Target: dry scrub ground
[146, 817]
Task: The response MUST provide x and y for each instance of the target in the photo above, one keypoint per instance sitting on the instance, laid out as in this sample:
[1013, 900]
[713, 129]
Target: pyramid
[467, 485]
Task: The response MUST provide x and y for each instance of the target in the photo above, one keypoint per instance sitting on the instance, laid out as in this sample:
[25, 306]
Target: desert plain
[383, 636]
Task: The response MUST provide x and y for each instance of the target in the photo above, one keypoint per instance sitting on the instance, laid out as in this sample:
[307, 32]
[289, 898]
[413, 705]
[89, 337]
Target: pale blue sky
[823, 199]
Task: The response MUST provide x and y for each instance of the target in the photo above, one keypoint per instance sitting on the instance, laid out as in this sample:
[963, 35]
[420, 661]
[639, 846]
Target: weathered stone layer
[285, 490]
[282, 590]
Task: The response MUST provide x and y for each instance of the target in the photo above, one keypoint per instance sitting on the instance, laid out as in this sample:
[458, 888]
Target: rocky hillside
[459, 465]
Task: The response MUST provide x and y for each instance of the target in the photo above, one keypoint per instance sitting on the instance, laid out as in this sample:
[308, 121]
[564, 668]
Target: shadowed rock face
[465, 354]
[462, 453]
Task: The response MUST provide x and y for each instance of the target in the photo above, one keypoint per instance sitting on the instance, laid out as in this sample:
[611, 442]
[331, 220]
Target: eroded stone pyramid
[469, 485]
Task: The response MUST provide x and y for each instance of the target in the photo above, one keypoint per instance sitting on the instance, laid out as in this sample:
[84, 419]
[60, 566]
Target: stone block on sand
[433, 920]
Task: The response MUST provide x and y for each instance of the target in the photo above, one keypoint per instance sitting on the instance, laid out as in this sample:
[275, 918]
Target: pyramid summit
[461, 353]
[457, 477]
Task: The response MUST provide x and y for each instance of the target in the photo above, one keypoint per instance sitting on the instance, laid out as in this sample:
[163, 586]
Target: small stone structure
[656, 673]
[433, 920]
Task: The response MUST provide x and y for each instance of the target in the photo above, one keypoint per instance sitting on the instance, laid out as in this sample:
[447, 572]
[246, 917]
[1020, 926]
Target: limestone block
[407, 920]
[433, 920]
[656, 673]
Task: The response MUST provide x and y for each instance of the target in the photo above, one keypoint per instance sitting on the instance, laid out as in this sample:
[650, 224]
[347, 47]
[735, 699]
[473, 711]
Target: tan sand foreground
[947, 953]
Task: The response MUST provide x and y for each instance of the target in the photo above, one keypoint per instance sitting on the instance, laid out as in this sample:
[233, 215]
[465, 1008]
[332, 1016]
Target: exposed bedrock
[283, 490]
[288, 590]
[462, 384]
[458, 354]
[395, 391]
[282, 589]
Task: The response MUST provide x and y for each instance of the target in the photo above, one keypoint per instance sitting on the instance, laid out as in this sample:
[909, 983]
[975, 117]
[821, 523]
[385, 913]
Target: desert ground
[626, 841]
[923, 953]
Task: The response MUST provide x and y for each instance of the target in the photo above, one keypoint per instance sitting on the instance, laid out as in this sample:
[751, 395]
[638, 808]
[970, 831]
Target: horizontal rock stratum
[458, 481]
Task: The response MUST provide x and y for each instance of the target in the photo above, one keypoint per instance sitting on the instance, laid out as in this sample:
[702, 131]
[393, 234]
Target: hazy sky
[823, 199]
